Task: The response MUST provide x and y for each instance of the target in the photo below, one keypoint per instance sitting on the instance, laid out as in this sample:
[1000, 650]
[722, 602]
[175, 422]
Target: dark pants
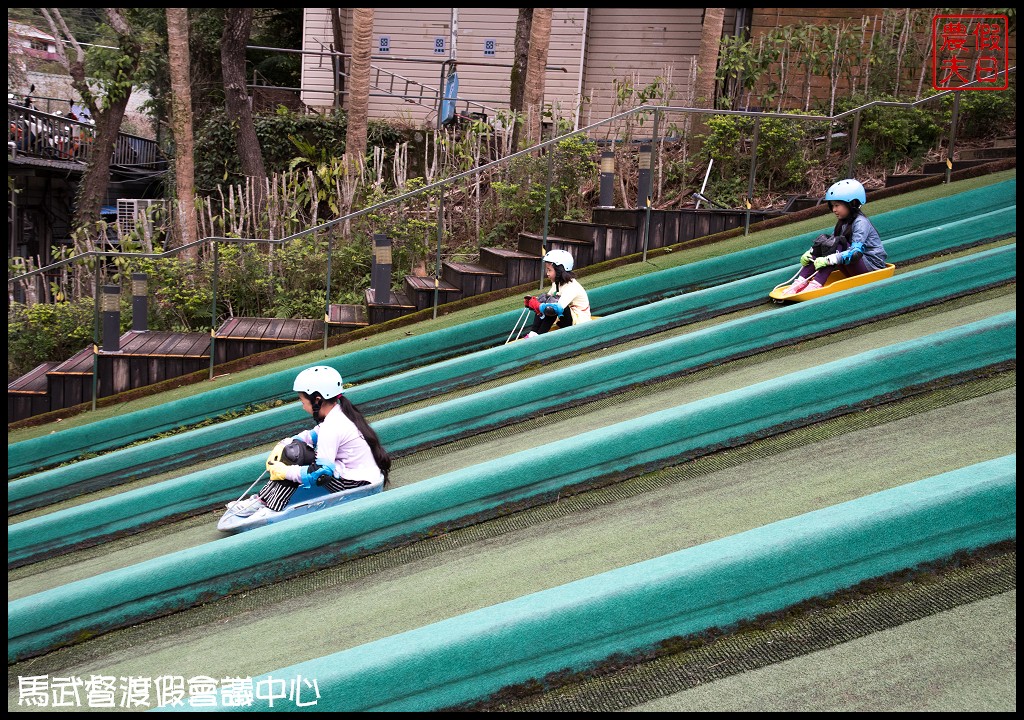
[543, 323]
[277, 493]
[857, 267]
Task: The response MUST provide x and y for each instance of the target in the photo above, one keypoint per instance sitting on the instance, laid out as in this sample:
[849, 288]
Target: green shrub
[217, 159]
[887, 135]
[984, 112]
[522, 193]
[45, 332]
[781, 161]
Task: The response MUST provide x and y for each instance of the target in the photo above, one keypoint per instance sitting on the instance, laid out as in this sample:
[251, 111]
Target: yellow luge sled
[836, 282]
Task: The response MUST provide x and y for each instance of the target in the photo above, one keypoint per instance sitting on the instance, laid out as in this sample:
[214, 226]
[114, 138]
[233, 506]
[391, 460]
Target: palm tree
[358, 101]
[517, 81]
[707, 62]
[181, 127]
[540, 40]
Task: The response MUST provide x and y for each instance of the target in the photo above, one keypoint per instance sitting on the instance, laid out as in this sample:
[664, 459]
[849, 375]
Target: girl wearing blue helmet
[566, 302]
[853, 248]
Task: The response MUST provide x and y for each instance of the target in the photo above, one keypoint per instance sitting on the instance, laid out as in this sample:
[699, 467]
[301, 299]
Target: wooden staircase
[1004, 147]
[613, 233]
[420, 290]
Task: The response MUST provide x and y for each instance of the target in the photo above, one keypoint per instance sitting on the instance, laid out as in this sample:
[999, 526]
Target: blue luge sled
[304, 501]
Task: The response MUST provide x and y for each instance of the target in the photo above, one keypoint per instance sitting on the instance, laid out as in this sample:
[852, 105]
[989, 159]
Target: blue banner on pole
[451, 93]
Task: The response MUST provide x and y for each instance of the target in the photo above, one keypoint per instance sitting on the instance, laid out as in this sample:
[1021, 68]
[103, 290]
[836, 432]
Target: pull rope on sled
[231, 510]
[516, 329]
[790, 281]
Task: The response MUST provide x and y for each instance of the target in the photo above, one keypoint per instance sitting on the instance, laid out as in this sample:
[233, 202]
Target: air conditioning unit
[132, 213]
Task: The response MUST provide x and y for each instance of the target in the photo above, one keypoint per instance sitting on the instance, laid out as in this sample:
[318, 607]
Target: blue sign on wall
[384, 44]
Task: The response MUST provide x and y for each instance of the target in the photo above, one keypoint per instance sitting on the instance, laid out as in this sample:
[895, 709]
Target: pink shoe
[798, 285]
[812, 285]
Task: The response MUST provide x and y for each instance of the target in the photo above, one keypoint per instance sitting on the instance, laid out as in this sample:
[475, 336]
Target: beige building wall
[483, 49]
[591, 49]
[317, 75]
[638, 46]
[490, 85]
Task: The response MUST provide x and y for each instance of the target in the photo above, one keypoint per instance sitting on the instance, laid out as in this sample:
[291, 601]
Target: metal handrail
[331, 223]
[641, 109]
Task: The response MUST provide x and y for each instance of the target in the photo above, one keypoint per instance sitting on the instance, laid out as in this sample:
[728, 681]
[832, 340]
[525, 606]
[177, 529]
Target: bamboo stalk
[900, 48]
[248, 228]
[924, 66]
[871, 50]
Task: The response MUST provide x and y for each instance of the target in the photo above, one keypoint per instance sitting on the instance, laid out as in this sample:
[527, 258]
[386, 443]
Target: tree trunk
[181, 129]
[707, 64]
[338, 61]
[517, 81]
[536, 72]
[92, 191]
[237, 24]
[359, 82]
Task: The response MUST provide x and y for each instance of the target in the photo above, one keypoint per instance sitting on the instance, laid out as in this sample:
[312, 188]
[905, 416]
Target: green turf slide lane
[436, 424]
[179, 450]
[58, 616]
[574, 626]
[935, 217]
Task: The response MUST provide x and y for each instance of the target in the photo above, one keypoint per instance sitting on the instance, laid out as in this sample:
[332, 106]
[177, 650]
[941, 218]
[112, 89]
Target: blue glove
[315, 473]
[806, 259]
[821, 263]
[551, 309]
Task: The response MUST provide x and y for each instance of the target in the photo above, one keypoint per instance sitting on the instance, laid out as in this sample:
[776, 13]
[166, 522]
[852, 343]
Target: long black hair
[380, 455]
[562, 276]
[844, 227]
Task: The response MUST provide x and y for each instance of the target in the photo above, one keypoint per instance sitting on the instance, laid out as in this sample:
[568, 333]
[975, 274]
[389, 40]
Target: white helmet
[559, 257]
[320, 379]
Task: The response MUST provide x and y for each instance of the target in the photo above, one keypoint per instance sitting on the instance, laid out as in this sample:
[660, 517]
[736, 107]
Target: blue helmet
[849, 191]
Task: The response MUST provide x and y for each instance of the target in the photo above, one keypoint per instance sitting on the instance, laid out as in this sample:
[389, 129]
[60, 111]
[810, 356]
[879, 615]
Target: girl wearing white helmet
[854, 246]
[566, 302]
[348, 451]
